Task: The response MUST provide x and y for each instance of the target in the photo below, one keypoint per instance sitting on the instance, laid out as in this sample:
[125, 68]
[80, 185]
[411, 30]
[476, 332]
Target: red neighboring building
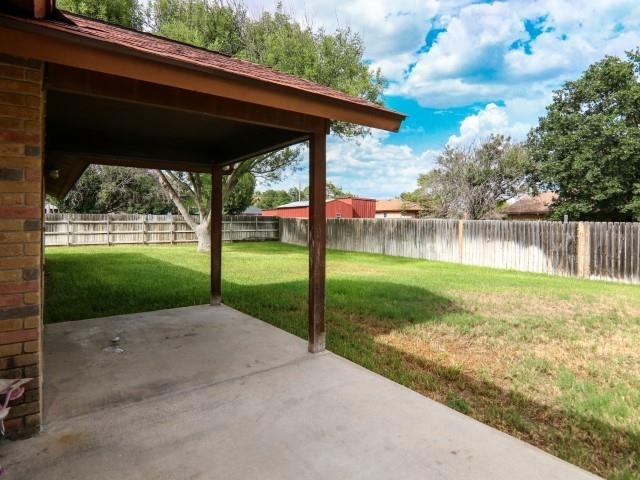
[336, 208]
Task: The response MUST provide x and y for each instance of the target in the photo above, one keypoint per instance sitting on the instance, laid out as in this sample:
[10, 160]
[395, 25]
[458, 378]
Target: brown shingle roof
[538, 204]
[396, 205]
[199, 58]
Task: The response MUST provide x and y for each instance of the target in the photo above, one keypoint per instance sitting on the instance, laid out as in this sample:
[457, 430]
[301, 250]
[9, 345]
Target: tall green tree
[217, 25]
[334, 191]
[471, 181]
[274, 198]
[587, 147]
[83, 197]
[427, 195]
[298, 194]
[108, 189]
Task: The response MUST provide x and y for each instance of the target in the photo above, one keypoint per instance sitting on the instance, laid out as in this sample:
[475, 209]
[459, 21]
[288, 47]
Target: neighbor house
[397, 208]
[529, 207]
[335, 208]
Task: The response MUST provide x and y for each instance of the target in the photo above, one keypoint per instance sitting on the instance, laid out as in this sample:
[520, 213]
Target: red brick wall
[21, 200]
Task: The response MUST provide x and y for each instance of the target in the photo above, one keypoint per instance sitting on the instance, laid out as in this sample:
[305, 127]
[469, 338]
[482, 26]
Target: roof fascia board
[31, 40]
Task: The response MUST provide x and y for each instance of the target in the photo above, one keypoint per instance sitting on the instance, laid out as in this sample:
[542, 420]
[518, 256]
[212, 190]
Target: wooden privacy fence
[589, 250]
[112, 229]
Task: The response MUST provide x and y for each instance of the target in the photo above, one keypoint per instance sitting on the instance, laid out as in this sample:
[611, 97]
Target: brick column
[21, 214]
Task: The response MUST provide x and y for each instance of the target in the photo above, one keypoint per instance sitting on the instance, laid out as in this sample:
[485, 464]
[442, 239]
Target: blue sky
[460, 70]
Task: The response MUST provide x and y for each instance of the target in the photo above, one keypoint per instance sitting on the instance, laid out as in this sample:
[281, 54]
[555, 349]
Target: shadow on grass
[76, 289]
[372, 308]
[358, 312]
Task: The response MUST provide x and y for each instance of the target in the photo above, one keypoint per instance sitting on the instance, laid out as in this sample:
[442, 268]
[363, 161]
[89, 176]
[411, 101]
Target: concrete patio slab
[211, 393]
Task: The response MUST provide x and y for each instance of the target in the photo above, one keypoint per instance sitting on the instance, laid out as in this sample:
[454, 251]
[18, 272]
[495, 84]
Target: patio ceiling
[104, 119]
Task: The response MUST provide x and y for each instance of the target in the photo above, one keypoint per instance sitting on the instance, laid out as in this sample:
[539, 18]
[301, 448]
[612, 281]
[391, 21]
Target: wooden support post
[216, 235]
[317, 240]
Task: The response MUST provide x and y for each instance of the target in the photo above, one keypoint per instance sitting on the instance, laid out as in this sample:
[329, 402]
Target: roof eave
[31, 39]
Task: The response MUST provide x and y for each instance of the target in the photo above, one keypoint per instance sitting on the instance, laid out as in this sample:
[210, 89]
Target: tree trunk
[204, 237]
[202, 229]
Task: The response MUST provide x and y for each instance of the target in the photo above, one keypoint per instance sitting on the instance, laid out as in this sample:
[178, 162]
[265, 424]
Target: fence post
[172, 228]
[460, 240]
[68, 230]
[108, 230]
[144, 229]
[584, 250]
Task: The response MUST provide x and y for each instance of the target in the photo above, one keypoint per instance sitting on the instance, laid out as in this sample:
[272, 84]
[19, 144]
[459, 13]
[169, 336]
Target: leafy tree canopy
[274, 198]
[471, 181]
[241, 196]
[126, 13]
[587, 147]
[107, 189]
[334, 191]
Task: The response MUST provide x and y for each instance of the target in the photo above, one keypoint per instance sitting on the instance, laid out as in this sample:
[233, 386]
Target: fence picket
[611, 251]
[99, 229]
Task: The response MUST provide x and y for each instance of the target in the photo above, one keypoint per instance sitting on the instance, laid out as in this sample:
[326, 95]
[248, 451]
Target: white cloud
[367, 168]
[571, 39]
[387, 27]
[485, 58]
[513, 120]
[481, 57]
[373, 168]
[489, 120]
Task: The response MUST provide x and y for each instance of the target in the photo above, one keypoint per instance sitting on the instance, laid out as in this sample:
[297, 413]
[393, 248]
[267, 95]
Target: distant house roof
[252, 210]
[397, 205]
[303, 203]
[532, 205]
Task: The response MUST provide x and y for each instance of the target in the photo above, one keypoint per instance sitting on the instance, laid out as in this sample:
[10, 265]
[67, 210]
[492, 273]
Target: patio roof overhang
[122, 97]
[117, 96]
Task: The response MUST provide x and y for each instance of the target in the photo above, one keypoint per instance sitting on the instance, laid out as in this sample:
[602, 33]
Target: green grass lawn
[551, 360]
